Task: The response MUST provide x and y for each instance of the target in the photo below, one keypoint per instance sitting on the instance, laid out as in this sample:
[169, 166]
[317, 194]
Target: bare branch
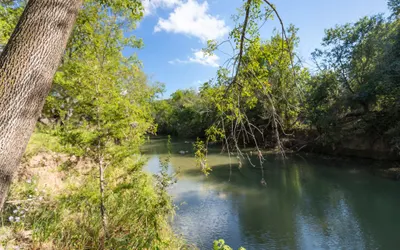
[246, 19]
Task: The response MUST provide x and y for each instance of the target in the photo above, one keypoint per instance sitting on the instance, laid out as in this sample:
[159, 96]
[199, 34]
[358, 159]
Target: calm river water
[308, 203]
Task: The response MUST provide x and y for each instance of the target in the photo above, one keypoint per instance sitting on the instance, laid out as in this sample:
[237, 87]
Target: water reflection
[307, 204]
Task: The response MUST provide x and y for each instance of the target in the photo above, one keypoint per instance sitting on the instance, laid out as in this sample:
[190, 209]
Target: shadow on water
[308, 203]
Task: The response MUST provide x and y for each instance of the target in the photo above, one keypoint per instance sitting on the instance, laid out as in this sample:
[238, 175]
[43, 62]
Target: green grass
[138, 207]
[43, 142]
[137, 215]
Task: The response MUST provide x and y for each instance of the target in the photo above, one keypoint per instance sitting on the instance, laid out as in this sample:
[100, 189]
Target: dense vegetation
[99, 113]
[353, 90]
[102, 107]
[357, 86]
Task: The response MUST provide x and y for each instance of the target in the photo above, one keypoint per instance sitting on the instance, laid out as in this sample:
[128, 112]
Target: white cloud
[191, 18]
[208, 60]
[176, 61]
[201, 58]
[151, 5]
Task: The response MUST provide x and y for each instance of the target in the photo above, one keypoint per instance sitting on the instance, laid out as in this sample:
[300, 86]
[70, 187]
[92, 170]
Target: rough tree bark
[27, 67]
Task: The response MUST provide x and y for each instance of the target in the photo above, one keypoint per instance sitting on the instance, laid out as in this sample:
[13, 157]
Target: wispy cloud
[150, 6]
[201, 58]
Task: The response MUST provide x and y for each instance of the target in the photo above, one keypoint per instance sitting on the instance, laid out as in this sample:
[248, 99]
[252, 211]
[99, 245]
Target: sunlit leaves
[10, 11]
[98, 93]
[220, 245]
[201, 156]
[215, 134]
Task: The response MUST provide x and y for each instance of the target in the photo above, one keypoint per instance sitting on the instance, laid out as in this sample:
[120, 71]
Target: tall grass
[137, 206]
[137, 216]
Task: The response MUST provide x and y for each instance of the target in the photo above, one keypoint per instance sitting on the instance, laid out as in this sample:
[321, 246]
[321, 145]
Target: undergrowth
[138, 208]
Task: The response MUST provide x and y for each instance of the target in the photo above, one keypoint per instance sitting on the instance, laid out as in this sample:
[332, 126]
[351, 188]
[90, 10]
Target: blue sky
[174, 32]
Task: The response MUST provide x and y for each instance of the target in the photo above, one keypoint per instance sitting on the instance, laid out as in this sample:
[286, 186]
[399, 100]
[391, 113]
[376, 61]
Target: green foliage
[10, 11]
[101, 98]
[274, 82]
[220, 245]
[356, 90]
[103, 105]
[394, 6]
[215, 134]
[164, 178]
[352, 52]
[42, 142]
[137, 215]
[128, 13]
[259, 94]
[100, 107]
[200, 154]
[185, 114]
[266, 88]
[138, 211]
[16, 214]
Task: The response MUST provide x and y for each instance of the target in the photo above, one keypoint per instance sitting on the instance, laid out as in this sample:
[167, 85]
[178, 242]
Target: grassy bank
[54, 204]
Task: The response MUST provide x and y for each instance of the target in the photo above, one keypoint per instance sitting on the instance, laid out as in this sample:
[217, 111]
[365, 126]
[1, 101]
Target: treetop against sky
[175, 31]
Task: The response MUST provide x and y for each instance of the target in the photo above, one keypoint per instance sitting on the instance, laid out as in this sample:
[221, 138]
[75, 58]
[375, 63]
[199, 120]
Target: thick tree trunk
[27, 67]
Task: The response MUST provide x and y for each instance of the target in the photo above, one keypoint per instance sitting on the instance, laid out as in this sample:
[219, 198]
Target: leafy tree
[186, 114]
[102, 102]
[352, 52]
[356, 88]
[260, 86]
[10, 11]
[394, 6]
[270, 62]
[45, 40]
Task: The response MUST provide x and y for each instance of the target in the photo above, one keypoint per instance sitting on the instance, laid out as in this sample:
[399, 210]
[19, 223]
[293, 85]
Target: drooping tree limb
[284, 35]
[241, 127]
[246, 20]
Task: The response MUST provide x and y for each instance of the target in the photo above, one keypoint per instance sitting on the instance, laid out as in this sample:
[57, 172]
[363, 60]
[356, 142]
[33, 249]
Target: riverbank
[376, 153]
[384, 158]
[357, 145]
[54, 204]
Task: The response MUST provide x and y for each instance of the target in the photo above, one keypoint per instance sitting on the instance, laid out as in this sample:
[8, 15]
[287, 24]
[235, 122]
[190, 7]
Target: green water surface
[308, 202]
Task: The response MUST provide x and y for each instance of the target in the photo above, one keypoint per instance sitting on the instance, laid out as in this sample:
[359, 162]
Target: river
[308, 202]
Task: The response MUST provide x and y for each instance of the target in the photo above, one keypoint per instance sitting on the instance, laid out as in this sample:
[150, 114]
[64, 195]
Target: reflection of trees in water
[269, 213]
[325, 219]
[302, 206]
[305, 205]
[265, 214]
[343, 208]
[374, 206]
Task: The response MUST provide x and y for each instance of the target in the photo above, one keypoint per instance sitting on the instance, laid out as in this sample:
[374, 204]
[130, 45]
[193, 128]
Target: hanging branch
[240, 127]
[246, 20]
[284, 36]
[274, 115]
